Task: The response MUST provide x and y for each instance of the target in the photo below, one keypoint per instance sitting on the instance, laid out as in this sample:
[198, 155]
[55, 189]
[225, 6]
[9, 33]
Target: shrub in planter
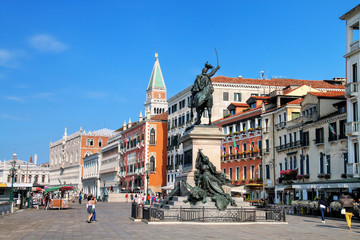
[306, 176]
[321, 175]
[335, 206]
[251, 180]
[327, 176]
[299, 177]
[344, 175]
[259, 180]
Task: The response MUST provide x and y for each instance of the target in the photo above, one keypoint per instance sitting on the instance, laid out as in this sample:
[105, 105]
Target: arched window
[88, 154]
[291, 163]
[285, 164]
[152, 136]
[152, 164]
[100, 142]
[90, 142]
[295, 162]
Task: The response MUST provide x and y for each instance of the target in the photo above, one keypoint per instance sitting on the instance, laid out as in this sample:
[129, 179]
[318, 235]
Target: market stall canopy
[3, 185]
[66, 188]
[59, 188]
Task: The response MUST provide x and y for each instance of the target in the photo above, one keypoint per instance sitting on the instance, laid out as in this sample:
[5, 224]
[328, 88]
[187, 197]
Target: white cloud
[7, 59]
[6, 116]
[43, 96]
[47, 43]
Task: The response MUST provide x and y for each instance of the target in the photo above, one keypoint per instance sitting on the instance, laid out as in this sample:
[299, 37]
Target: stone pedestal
[204, 137]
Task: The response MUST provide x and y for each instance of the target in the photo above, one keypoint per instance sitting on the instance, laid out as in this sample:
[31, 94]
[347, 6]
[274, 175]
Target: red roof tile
[161, 116]
[328, 94]
[296, 101]
[283, 82]
[239, 104]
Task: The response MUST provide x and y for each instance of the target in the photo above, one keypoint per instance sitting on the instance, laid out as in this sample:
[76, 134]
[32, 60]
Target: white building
[109, 165]
[352, 89]
[27, 174]
[91, 180]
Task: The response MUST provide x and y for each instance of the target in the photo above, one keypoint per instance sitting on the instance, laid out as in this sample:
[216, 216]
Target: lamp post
[12, 174]
[147, 182]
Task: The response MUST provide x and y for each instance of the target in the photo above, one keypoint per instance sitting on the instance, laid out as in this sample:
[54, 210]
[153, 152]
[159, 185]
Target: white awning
[168, 187]
[240, 189]
[282, 188]
[326, 185]
[20, 185]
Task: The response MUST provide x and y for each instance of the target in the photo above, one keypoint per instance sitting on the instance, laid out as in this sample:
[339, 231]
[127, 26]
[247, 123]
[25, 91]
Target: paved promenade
[113, 223]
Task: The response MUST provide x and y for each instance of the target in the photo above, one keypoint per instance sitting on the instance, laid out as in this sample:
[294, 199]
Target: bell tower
[156, 101]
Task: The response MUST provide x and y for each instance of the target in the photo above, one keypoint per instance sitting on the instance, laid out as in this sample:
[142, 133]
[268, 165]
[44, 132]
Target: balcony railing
[280, 125]
[352, 129]
[353, 170]
[352, 89]
[354, 46]
[319, 140]
[170, 167]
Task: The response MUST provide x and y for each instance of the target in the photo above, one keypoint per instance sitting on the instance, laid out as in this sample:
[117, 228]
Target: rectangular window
[295, 115]
[319, 135]
[356, 152]
[225, 96]
[230, 149]
[305, 139]
[237, 173]
[224, 170]
[252, 171]
[332, 132]
[342, 134]
[307, 164]
[267, 145]
[230, 174]
[355, 110]
[345, 156]
[244, 172]
[354, 72]
[267, 171]
[260, 171]
[237, 97]
[301, 165]
[328, 164]
[244, 147]
[280, 167]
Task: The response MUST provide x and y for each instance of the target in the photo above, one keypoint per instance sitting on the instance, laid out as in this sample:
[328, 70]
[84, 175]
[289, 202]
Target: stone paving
[113, 223]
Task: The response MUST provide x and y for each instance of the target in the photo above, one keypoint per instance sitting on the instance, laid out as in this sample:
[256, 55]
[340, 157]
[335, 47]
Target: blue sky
[88, 63]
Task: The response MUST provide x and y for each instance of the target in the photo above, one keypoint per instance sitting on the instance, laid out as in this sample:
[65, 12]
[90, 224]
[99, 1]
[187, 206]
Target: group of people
[141, 199]
[347, 203]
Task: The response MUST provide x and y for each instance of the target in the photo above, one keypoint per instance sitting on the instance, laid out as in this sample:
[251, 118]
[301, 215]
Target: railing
[354, 46]
[352, 89]
[213, 215]
[319, 140]
[280, 125]
[352, 128]
[332, 137]
[353, 169]
[266, 150]
[170, 167]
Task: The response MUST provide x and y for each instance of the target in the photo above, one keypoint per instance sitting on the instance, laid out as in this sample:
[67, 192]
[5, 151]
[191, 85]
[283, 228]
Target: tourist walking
[89, 208]
[127, 197]
[93, 209]
[347, 202]
[80, 198]
[324, 206]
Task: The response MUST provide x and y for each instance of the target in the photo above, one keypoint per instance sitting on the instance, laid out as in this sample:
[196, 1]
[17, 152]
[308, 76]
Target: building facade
[67, 154]
[91, 179]
[27, 175]
[352, 57]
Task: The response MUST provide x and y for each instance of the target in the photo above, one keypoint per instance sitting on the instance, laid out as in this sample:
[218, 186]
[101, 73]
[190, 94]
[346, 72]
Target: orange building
[142, 150]
[241, 148]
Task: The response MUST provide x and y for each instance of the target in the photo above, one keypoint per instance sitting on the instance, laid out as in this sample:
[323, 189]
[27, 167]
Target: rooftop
[329, 94]
[279, 82]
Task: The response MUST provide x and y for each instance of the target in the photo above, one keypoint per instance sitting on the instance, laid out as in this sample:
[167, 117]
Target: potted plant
[306, 176]
[327, 176]
[251, 129]
[235, 133]
[259, 180]
[243, 181]
[251, 180]
[344, 175]
[299, 177]
[321, 175]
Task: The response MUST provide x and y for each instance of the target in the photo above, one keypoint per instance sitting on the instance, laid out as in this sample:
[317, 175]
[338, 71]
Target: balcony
[170, 167]
[352, 89]
[354, 46]
[266, 151]
[353, 170]
[280, 125]
[352, 129]
[265, 129]
[319, 141]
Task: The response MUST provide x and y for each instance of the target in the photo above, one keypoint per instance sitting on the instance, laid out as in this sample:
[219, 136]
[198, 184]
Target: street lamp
[147, 182]
[12, 174]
